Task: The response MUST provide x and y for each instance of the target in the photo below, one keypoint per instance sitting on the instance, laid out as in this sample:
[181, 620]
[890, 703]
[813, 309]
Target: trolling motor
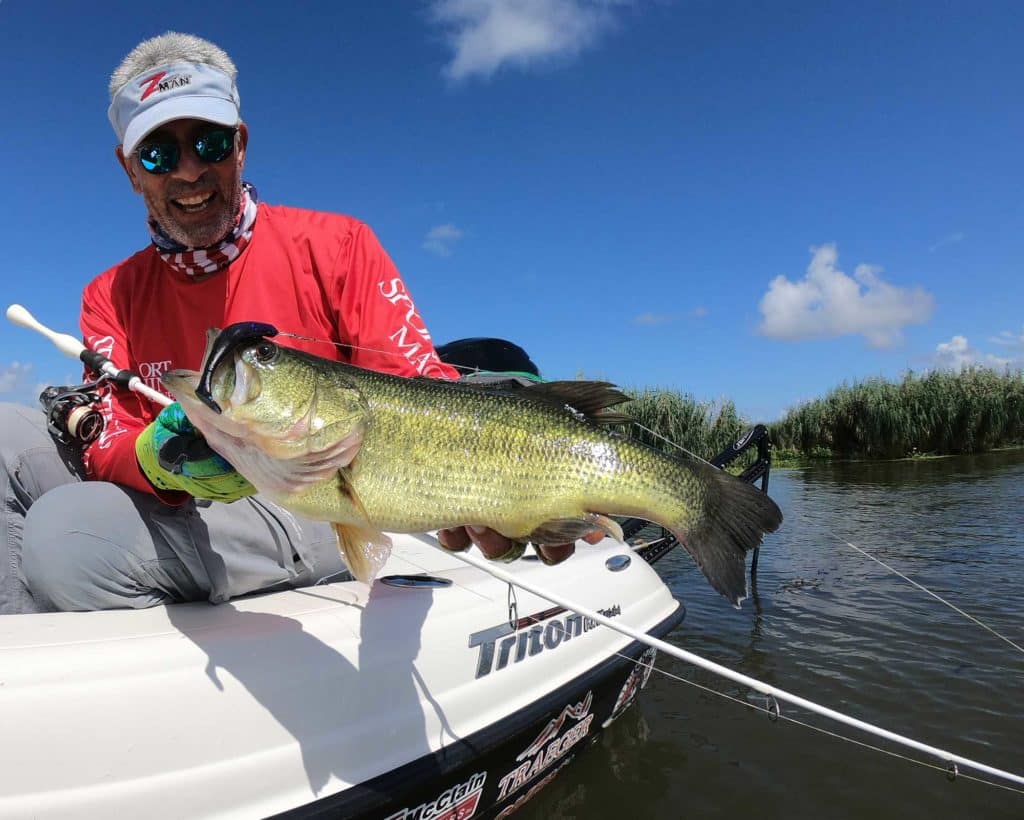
[755, 436]
[760, 469]
[71, 413]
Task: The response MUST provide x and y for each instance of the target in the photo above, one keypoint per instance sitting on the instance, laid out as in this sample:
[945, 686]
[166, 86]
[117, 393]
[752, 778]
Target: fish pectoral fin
[346, 489]
[365, 550]
[363, 546]
[567, 530]
[609, 526]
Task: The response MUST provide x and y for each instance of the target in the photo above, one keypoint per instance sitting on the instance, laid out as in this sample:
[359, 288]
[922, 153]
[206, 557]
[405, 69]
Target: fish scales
[511, 464]
[376, 453]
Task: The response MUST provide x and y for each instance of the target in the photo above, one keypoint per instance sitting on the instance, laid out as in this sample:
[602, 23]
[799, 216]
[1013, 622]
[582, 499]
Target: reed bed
[937, 413]
[666, 418]
[934, 413]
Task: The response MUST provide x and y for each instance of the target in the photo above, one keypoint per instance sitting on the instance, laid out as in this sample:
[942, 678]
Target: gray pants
[69, 544]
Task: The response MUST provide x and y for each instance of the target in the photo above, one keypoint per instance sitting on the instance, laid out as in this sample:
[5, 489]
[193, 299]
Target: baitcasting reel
[71, 413]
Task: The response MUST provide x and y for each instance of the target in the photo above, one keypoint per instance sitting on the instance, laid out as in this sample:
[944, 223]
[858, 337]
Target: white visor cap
[176, 91]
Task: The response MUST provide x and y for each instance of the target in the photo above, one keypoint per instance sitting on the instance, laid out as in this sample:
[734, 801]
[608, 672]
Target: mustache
[205, 182]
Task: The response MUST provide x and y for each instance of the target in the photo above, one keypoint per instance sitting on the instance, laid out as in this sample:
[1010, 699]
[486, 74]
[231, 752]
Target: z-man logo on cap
[158, 83]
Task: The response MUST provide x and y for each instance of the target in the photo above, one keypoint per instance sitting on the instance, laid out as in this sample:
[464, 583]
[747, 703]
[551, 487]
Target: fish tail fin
[365, 550]
[735, 518]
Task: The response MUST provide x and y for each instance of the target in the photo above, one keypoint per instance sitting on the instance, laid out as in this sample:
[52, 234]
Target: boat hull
[334, 700]
[497, 770]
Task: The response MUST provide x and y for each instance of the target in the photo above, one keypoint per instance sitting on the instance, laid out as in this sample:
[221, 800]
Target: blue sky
[753, 201]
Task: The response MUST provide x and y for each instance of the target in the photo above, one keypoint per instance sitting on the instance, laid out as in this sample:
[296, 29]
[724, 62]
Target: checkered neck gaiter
[199, 261]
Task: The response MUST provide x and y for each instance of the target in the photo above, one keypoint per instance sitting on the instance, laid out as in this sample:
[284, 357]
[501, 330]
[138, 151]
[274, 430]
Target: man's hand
[497, 547]
[175, 456]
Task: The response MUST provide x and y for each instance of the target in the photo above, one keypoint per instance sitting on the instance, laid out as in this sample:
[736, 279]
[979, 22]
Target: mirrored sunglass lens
[215, 145]
[158, 159]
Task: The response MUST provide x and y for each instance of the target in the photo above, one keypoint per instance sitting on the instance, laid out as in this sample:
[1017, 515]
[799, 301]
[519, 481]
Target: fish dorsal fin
[587, 398]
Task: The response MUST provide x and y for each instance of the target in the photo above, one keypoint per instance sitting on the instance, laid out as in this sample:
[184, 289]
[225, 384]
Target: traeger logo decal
[457, 803]
[551, 745]
[527, 637]
[161, 81]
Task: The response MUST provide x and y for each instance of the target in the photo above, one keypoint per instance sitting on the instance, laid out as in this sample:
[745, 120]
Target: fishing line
[723, 671]
[952, 759]
[820, 729]
[671, 443]
[937, 597]
[776, 713]
[463, 368]
[22, 317]
[825, 731]
[467, 369]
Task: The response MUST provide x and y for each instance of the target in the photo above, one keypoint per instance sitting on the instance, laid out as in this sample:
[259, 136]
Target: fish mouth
[220, 347]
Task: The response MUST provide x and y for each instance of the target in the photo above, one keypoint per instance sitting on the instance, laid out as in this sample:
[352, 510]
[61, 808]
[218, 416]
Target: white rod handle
[72, 347]
[65, 343]
[142, 388]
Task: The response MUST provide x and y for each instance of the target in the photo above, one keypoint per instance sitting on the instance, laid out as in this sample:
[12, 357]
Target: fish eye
[265, 352]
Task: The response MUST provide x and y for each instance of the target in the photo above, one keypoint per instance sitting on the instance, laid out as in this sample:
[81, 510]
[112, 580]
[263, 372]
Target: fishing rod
[97, 362]
[72, 413]
[773, 695]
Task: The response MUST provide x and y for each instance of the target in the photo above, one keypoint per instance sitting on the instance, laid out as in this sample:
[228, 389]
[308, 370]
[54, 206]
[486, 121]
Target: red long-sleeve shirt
[316, 274]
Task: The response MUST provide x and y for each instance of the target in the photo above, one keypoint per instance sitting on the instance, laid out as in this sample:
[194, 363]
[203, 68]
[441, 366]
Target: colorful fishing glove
[175, 456]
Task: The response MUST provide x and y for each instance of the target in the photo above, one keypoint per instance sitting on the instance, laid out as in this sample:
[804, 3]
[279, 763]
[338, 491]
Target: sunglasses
[211, 145]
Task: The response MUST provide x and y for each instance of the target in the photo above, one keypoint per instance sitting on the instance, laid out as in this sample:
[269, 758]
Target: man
[142, 530]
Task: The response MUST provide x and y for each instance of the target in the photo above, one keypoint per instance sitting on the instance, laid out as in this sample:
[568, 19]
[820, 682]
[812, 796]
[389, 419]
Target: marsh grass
[935, 413]
[701, 428]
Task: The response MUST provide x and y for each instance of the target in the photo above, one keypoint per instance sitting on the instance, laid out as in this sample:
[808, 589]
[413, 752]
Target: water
[835, 627]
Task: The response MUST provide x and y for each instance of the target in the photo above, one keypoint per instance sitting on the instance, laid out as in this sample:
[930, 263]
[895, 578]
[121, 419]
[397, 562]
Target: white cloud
[15, 378]
[488, 34]
[21, 384]
[828, 303]
[957, 353]
[440, 239]
[1008, 339]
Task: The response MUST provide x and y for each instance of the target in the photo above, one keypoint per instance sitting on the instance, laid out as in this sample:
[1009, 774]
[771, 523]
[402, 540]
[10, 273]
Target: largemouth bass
[375, 453]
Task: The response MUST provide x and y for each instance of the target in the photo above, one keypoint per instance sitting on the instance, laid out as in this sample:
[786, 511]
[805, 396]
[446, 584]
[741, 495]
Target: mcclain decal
[457, 803]
[550, 746]
[513, 643]
[637, 680]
